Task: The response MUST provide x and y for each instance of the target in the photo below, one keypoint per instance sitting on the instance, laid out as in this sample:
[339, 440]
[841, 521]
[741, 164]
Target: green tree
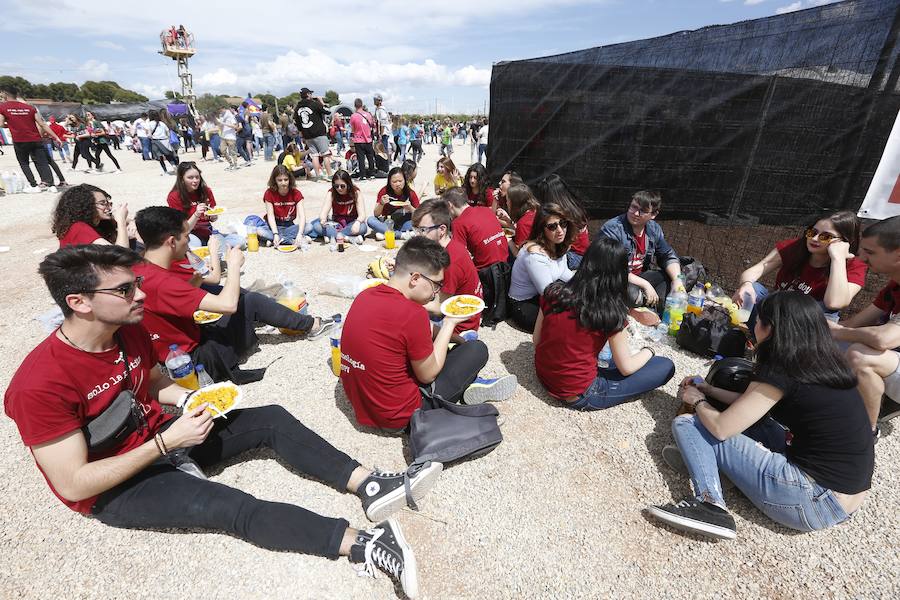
[174, 95]
[64, 92]
[23, 86]
[268, 101]
[331, 98]
[207, 103]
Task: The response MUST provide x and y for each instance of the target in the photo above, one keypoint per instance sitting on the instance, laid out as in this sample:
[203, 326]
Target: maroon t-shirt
[461, 277]
[581, 243]
[478, 229]
[20, 120]
[523, 227]
[203, 228]
[385, 197]
[808, 279]
[284, 207]
[78, 234]
[59, 389]
[888, 299]
[565, 359]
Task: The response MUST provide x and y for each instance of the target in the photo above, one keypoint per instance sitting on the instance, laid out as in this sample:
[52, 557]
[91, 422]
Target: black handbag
[711, 334]
[118, 420]
[444, 432]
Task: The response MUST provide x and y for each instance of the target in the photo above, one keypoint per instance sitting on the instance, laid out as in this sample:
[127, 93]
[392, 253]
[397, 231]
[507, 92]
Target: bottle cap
[199, 367]
[173, 346]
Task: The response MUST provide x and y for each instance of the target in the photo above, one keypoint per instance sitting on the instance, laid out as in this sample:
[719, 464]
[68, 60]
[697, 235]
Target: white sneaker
[327, 239]
[52, 189]
[32, 189]
[356, 239]
[405, 235]
[379, 236]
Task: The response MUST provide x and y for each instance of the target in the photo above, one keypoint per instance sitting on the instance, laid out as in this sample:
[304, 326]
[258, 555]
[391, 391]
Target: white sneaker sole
[692, 525]
[396, 500]
[502, 389]
[409, 579]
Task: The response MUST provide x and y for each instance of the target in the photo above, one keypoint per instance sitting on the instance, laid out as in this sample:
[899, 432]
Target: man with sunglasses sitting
[172, 301]
[101, 354]
[873, 334]
[389, 350]
[642, 236]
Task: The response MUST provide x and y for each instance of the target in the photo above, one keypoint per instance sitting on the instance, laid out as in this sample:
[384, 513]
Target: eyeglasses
[634, 208]
[104, 203]
[556, 225]
[436, 285]
[824, 236]
[424, 230]
[125, 291]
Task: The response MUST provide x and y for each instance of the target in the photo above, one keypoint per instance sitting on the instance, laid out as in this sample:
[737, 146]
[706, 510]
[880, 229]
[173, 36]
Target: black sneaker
[384, 547]
[697, 517]
[384, 493]
[889, 410]
[326, 324]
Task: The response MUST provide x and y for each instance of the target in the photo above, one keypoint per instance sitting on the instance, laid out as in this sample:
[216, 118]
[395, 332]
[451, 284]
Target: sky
[430, 57]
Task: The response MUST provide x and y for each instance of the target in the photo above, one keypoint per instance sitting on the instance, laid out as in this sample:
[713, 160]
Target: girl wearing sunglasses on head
[345, 204]
[540, 262]
[819, 263]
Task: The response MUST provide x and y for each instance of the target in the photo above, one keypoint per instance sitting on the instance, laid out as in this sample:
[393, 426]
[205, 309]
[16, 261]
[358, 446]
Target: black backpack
[494, 287]
[711, 333]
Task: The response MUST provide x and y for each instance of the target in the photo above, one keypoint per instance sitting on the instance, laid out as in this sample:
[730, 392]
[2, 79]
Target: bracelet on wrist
[648, 348]
[748, 281]
[159, 445]
[698, 402]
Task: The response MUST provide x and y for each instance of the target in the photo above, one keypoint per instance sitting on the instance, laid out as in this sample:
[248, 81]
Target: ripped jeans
[755, 462]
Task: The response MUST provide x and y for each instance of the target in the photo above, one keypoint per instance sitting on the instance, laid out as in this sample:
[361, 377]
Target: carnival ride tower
[178, 44]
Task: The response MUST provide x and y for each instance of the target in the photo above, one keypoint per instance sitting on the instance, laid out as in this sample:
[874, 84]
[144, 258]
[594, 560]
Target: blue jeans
[287, 233]
[232, 239]
[400, 224]
[242, 148]
[779, 489]
[145, 148]
[611, 388]
[330, 229]
[573, 259]
[268, 145]
[215, 143]
[482, 153]
[339, 139]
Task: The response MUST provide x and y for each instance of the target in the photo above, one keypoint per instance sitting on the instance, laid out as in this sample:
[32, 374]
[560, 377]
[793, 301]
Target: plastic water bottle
[181, 368]
[339, 238]
[657, 333]
[203, 378]
[7, 182]
[605, 358]
[390, 239]
[335, 338]
[695, 299]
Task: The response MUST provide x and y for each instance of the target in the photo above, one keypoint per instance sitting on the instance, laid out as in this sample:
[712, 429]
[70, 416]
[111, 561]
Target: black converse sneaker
[697, 517]
[384, 547]
[889, 410]
[384, 493]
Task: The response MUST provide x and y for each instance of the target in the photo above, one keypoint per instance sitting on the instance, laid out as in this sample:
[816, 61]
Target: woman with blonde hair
[447, 176]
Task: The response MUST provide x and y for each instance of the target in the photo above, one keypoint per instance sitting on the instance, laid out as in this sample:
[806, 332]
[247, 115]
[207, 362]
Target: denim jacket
[618, 228]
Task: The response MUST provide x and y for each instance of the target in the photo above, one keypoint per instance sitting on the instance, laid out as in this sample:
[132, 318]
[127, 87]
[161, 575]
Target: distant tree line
[89, 92]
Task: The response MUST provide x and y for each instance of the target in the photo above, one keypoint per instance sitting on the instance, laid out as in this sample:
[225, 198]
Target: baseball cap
[306, 90]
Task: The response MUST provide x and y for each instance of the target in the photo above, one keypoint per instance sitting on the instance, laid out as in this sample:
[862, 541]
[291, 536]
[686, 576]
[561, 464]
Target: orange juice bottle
[390, 239]
[181, 368]
[252, 240]
[291, 297]
[335, 338]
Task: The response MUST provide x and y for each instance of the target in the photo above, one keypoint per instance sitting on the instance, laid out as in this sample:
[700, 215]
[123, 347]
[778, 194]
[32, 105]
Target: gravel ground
[555, 511]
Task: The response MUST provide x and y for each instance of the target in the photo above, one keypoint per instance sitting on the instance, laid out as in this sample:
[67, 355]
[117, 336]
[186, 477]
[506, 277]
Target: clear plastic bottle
[203, 378]
[676, 313]
[181, 368]
[293, 298]
[335, 337]
[390, 240]
[339, 239]
[674, 300]
[605, 358]
[695, 299]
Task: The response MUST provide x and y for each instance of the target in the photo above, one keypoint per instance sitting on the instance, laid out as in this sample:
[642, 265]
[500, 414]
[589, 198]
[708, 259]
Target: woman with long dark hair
[477, 189]
[553, 188]
[397, 201]
[346, 208]
[820, 263]
[193, 197]
[101, 140]
[285, 219]
[84, 215]
[807, 466]
[82, 138]
[541, 261]
[160, 144]
[577, 319]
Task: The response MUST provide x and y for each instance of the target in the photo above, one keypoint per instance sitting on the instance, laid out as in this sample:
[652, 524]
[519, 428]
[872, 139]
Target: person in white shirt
[161, 147]
[483, 142]
[139, 130]
[383, 117]
[228, 134]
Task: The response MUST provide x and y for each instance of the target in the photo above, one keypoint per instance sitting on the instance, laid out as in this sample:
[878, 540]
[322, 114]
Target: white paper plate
[225, 384]
[200, 321]
[447, 302]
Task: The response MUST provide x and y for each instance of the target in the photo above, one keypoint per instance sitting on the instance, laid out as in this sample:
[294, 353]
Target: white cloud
[153, 92]
[789, 8]
[93, 69]
[753, 2]
[109, 45]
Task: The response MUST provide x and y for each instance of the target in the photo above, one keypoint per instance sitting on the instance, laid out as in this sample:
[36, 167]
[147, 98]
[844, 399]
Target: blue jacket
[619, 229]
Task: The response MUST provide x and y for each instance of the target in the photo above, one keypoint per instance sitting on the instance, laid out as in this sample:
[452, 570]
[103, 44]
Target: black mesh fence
[763, 122]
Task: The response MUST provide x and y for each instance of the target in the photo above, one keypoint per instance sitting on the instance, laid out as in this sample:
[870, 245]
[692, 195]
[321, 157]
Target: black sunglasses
[556, 225]
[125, 291]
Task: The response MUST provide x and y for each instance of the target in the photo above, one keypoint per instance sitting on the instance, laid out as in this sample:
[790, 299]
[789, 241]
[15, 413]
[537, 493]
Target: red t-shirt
[581, 243]
[343, 207]
[811, 280]
[203, 228]
[79, 233]
[636, 262]
[385, 196]
[478, 229]
[60, 131]
[169, 309]
[20, 120]
[523, 228]
[383, 333]
[461, 277]
[284, 207]
[488, 198]
[888, 299]
[565, 359]
[58, 389]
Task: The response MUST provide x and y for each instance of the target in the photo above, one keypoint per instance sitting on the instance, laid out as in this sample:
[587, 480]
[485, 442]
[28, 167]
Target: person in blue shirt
[402, 140]
[642, 236]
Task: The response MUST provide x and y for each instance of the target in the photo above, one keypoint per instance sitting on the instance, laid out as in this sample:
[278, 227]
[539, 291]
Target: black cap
[306, 90]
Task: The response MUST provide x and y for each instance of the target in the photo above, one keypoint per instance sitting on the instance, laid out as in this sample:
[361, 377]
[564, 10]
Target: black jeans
[461, 368]
[55, 167]
[242, 148]
[163, 497]
[524, 313]
[365, 153]
[660, 282]
[417, 150]
[82, 148]
[104, 148]
[37, 152]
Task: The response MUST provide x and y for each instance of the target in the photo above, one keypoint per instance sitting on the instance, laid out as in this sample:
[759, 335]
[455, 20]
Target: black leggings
[365, 153]
[55, 167]
[162, 497]
[524, 313]
[104, 148]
